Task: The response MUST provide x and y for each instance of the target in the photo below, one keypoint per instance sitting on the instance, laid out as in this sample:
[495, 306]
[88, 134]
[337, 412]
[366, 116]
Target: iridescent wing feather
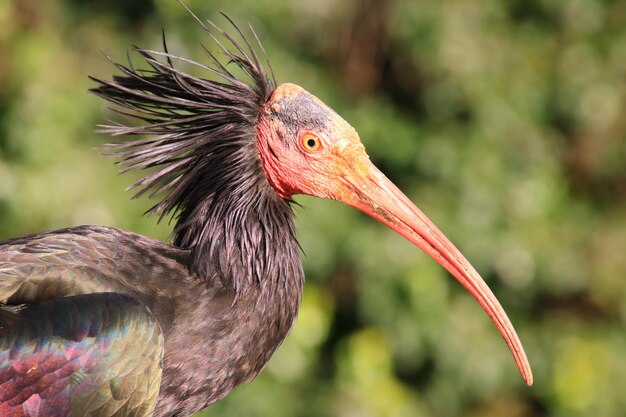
[69, 343]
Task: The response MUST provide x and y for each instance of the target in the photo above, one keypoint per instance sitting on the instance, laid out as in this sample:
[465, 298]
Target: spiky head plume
[200, 132]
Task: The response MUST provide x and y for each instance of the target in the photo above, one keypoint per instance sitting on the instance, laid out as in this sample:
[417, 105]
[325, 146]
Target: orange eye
[310, 142]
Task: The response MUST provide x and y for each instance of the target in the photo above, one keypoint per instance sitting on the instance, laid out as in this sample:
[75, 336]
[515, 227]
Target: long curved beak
[374, 194]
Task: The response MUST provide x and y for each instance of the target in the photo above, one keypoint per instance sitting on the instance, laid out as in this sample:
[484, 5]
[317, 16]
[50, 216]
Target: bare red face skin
[306, 148]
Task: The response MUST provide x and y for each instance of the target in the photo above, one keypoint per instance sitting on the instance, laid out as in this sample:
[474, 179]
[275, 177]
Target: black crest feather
[187, 118]
[193, 125]
[199, 144]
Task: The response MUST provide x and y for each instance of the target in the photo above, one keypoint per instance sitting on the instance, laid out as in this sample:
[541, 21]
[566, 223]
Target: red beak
[372, 193]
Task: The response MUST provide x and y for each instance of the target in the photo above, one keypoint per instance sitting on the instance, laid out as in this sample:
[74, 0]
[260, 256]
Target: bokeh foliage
[504, 121]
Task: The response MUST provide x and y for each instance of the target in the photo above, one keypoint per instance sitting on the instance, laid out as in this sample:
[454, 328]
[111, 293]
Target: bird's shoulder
[87, 259]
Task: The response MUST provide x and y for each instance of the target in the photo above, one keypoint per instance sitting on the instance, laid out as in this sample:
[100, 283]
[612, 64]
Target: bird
[97, 321]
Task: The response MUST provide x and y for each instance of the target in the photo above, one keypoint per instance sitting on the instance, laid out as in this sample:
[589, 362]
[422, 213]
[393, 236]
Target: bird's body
[100, 322]
[216, 330]
[205, 341]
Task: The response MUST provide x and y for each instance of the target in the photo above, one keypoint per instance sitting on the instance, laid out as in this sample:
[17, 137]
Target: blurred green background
[504, 121]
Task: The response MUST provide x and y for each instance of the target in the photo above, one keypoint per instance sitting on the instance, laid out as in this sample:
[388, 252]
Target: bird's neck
[242, 233]
[245, 248]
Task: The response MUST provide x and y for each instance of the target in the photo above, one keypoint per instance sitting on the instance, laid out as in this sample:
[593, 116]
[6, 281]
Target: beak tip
[528, 377]
[524, 367]
[529, 380]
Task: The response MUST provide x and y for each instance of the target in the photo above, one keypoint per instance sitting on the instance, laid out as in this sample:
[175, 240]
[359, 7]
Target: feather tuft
[191, 122]
[199, 145]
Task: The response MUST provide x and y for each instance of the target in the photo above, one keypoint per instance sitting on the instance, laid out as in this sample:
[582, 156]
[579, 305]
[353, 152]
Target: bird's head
[306, 147]
[206, 137]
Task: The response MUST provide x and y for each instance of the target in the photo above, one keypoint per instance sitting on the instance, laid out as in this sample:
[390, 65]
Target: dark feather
[96, 355]
[201, 149]
[190, 118]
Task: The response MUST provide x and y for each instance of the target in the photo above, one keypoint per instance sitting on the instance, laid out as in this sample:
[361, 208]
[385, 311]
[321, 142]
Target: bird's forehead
[298, 109]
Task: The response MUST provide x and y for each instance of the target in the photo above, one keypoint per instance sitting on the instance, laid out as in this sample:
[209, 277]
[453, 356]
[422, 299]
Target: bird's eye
[310, 142]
